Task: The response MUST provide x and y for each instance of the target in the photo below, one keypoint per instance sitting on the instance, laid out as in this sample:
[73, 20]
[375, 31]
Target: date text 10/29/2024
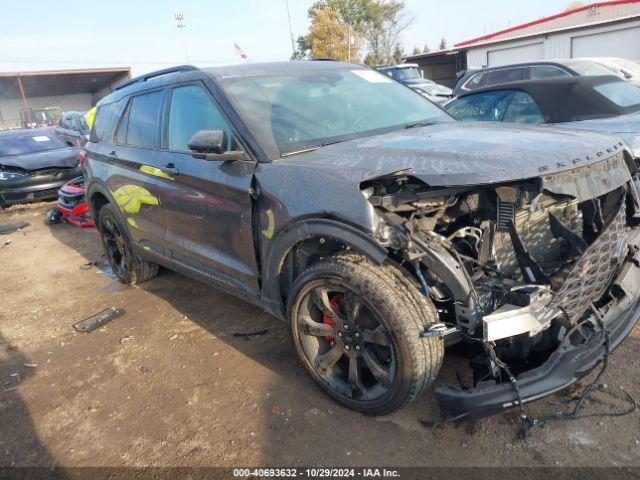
[316, 472]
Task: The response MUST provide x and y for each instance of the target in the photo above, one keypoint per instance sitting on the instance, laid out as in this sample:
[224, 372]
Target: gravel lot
[167, 384]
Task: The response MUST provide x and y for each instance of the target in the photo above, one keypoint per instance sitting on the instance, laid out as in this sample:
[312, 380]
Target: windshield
[436, 90]
[302, 110]
[408, 73]
[629, 66]
[28, 142]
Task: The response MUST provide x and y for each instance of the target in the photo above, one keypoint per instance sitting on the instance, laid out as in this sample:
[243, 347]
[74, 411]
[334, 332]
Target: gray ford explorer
[378, 227]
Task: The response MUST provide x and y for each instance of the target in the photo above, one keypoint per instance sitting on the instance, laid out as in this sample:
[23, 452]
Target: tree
[574, 5]
[376, 22]
[328, 37]
[398, 54]
[383, 34]
[416, 50]
[443, 44]
[426, 49]
[302, 52]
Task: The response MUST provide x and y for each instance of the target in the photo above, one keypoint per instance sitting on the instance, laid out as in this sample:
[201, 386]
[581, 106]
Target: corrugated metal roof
[568, 20]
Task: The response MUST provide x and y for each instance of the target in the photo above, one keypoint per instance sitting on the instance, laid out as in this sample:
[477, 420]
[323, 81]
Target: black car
[604, 104]
[378, 227]
[73, 128]
[474, 79]
[34, 163]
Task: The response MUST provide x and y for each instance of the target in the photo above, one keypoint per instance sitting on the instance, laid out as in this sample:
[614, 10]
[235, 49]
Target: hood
[626, 127]
[458, 154]
[61, 158]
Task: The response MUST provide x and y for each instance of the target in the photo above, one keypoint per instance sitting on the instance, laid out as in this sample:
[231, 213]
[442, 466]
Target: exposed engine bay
[519, 264]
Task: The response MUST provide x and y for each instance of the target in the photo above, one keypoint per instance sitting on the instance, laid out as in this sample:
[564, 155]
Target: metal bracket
[437, 330]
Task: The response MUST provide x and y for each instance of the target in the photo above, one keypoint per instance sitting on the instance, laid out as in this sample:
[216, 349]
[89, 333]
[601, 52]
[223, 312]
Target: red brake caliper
[333, 300]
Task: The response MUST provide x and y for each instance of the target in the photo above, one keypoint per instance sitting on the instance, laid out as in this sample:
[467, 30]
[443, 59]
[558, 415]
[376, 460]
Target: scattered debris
[275, 410]
[173, 337]
[31, 365]
[16, 376]
[5, 243]
[248, 335]
[126, 339]
[89, 324]
[12, 227]
[88, 265]
[144, 370]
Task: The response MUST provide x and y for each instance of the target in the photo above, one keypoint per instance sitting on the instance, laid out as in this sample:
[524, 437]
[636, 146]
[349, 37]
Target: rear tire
[128, 266]
[387, 364]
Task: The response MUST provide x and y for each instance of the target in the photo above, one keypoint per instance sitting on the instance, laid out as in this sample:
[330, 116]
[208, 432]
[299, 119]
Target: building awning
[60, 82]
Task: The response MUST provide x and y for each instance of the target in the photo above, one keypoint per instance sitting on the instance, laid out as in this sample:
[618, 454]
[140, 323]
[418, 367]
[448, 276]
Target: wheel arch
[299, 244]
[98, 196]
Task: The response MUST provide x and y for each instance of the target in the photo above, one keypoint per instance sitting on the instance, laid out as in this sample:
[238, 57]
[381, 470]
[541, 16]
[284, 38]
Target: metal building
[600, 29]
[77, 90]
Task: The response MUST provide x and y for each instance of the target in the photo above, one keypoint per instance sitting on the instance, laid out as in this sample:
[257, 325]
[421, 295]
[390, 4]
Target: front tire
[128, 267]
[356, 328]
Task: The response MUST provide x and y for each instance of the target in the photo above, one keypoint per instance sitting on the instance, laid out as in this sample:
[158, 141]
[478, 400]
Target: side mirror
[208, 141]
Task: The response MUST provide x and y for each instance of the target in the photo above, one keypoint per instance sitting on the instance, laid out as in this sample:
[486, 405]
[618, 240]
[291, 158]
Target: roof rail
[157, 73]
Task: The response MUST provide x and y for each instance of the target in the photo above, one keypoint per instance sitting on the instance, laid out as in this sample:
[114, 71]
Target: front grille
[589, 277]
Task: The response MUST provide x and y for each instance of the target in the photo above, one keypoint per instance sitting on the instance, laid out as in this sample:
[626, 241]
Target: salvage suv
[378, 227]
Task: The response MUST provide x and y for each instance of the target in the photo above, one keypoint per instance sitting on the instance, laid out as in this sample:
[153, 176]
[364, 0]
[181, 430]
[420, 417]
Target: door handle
[171, 169]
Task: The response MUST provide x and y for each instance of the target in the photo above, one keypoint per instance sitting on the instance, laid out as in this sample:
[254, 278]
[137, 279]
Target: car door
[137, 183]
[208, 206]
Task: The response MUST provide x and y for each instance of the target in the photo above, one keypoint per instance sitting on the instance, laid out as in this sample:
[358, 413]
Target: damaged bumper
[567, 364]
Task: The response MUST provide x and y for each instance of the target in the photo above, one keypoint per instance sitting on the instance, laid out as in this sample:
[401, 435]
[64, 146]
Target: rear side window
[504, 76]
[547, 72]
[140, 122]
[523, 109]
[480, 107]
[104, 122]
[476, 81]
[192, 110]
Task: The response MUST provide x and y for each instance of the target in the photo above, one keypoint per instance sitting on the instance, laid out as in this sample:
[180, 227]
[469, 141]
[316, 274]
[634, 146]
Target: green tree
[398, 54]
[426, 49]
[443, 44]
[416, 50]
[302, 53]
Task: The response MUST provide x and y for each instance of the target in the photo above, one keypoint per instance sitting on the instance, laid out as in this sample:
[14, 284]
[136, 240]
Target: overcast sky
[54, 34]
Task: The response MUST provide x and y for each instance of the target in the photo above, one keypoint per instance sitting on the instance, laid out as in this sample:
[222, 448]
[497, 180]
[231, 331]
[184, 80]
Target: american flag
[238, 51]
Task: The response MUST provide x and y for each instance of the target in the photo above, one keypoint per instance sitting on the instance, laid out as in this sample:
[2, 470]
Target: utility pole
[293, 40]
[179, 18]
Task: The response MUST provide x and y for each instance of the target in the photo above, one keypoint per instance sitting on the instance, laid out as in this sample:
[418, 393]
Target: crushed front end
[532, 270]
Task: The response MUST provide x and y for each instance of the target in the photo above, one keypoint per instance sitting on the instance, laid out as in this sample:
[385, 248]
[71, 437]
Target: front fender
[307, 229]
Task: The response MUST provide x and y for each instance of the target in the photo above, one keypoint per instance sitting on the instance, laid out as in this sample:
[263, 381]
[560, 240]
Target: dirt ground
[168, 384]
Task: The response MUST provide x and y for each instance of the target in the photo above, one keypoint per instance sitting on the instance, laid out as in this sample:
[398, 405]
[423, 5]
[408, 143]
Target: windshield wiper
[420, 124]
[298, 152]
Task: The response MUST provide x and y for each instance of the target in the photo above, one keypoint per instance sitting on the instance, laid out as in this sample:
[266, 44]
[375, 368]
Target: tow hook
[437, 330]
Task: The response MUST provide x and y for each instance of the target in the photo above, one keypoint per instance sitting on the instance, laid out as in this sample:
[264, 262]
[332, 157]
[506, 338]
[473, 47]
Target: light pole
[179, 18]
[293, 41]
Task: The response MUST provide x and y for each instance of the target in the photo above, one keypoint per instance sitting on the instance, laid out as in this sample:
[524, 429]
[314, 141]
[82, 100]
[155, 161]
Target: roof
[278, 67]
[544, 20]
[60, 82]
[564, 99]
[400, 65]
